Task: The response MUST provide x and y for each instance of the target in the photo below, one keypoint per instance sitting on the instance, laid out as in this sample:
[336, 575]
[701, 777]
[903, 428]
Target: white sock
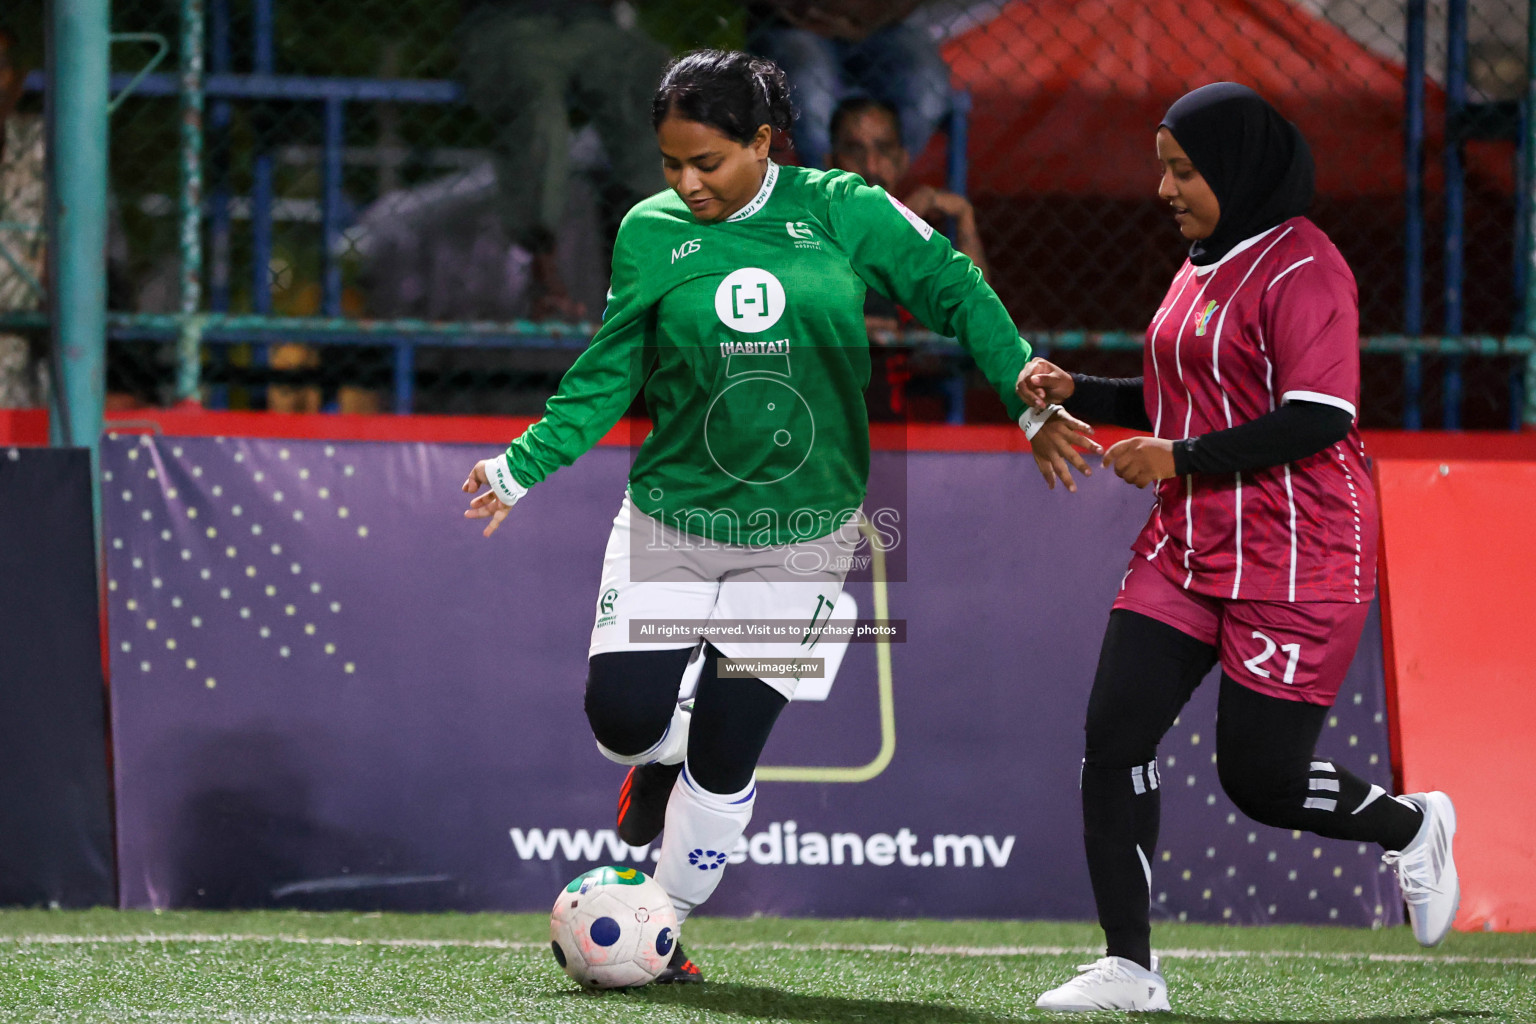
[670, 749]
[702, 830]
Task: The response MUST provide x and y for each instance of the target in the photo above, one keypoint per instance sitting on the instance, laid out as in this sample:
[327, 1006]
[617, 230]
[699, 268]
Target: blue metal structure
[1413, 219]
[77, 216]
[192, 94]
[220, 114]
[1455, 198]
[1528, 193]
[221, 87]
[261, 170]
[1518, 374]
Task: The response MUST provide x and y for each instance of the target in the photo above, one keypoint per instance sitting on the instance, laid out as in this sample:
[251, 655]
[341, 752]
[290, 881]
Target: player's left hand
[1055, 445]
[1141, 460]
[487, 505]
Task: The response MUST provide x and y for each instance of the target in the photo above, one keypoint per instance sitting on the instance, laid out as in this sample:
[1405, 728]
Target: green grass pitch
[105, 966]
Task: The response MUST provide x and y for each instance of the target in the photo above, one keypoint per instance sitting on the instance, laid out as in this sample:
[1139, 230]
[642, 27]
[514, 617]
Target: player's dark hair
[732, 92]
[855, 105]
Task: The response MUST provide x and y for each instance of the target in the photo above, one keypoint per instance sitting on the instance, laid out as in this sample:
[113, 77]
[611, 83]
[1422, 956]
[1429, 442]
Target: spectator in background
[438, 251]
[866, 139]
[23, 368]
[526, 64]
[830, 48]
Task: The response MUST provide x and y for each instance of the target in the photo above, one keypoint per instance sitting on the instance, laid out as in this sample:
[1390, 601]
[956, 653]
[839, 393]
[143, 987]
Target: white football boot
[1113, 983]
[1426, 873]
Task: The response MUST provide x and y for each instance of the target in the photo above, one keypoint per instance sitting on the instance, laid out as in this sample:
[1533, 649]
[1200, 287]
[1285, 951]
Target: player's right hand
[1042, 383]
[1055, 445]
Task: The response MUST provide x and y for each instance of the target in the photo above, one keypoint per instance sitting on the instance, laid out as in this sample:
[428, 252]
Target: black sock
[1361, 812]
[1121, 809]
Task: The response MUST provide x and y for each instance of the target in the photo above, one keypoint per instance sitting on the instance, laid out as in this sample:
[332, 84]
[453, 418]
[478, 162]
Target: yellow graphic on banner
[886, 695]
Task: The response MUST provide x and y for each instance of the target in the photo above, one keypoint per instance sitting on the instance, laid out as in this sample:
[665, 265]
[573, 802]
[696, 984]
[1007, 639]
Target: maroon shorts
[1287, 649]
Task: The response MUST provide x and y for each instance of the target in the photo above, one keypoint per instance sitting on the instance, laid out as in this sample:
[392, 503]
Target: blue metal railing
[406, 336]
[1413, 219]
[220, 87]
[1455, 200]
[1528, 193]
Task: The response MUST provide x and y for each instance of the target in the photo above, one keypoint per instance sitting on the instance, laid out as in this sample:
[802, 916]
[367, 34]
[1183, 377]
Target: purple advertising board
[329, 690]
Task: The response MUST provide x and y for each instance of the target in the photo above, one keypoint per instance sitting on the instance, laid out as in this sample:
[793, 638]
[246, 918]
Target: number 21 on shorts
[1255, 663]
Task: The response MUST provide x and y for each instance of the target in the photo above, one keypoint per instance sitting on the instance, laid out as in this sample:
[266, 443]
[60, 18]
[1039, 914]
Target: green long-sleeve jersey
[748, 339]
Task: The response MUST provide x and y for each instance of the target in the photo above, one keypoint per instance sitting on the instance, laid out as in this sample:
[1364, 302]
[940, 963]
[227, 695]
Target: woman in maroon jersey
[1260, 551]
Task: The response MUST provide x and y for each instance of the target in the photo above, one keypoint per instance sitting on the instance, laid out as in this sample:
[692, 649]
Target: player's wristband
[1033, 419]
[499, 474]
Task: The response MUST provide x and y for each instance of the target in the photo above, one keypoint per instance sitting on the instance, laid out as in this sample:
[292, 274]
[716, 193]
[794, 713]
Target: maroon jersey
[1276, 319]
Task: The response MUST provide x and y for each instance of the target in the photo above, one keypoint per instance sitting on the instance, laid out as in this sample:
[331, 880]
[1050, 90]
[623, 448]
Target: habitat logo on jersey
[1203, 320]
[749, 300]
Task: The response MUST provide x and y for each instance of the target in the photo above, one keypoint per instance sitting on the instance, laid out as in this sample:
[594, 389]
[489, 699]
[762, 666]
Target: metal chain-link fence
[424, 163]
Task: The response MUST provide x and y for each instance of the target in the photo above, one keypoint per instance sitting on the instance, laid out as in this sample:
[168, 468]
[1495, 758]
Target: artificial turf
[281, 967]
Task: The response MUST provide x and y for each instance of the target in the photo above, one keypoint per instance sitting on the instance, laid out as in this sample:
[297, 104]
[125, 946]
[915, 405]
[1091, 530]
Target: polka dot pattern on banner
[1217, 865]
[173, 575]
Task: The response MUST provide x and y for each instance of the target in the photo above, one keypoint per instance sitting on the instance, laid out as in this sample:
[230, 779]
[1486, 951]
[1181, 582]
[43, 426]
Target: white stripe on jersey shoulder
[1320, 398]
[1227, 308]
[1276, 279]
[770, 178]
[1240, 247]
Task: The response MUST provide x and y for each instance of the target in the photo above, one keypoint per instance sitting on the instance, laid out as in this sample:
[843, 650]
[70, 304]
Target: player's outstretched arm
[592, 396]
[902, 257]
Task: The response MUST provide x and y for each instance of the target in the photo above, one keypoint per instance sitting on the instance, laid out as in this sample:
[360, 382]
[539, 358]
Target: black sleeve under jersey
[1291, 432]
[1115, 400]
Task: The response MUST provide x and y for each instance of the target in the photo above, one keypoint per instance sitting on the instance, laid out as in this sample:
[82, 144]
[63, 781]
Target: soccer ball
[613, 928]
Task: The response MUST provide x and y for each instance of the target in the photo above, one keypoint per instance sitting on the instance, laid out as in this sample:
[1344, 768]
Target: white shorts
[653, 571]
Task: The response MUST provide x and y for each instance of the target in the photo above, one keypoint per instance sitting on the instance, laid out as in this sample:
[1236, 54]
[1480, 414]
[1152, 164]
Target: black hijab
[1255, 161]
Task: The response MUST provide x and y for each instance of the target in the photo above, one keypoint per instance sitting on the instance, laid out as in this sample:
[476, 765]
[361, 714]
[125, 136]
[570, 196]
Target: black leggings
[1264, 755]
[631, 696]
[1264, 745]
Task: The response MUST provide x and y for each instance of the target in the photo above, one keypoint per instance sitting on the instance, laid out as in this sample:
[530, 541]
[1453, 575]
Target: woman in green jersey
[736, 307]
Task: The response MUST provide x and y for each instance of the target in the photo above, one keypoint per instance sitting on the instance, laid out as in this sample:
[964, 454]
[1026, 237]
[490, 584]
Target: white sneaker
[1113, 983]
[1426, 873]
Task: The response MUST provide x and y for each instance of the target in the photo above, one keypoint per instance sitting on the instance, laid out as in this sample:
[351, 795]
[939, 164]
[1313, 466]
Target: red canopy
[1067, 94]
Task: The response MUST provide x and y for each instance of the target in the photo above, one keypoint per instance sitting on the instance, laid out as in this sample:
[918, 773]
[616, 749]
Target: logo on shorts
[1204, 319]
[605, 607]
[706, 860]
